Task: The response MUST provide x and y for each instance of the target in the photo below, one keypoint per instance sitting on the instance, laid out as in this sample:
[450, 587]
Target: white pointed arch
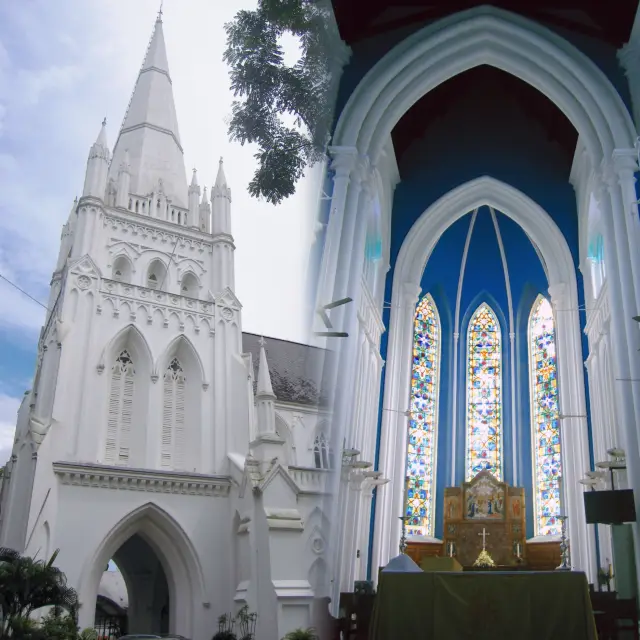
[323, 426]
[129, 336]
[189, 353]
[181, 376]
[190, 284]
[122, 269]
[414, 254]
[124, 398]
[176, 553]
[284, 431]
[486, 36]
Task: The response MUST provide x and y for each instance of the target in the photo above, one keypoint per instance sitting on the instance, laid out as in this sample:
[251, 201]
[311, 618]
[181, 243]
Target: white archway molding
[126, 337]
[485, 36]
[173, 548]
[410, 265]
[172, 349]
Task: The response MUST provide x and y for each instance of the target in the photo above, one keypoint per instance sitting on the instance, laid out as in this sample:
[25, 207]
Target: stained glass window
[423, 421]
[547, 466]
[484, 393]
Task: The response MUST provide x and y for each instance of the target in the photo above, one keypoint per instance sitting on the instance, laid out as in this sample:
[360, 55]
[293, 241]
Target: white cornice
[156, 224]
[153, 481]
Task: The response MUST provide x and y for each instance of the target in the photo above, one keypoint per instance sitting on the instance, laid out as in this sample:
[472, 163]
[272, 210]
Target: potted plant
[302, 634]
[245, 621]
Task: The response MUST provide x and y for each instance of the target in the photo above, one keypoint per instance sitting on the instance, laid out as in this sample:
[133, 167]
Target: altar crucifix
[484, 535]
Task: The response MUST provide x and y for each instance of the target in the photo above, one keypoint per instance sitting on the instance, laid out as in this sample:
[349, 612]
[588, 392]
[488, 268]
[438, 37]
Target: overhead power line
[15, 286]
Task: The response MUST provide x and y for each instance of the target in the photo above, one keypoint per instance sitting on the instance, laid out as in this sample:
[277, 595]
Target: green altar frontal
[552, 605]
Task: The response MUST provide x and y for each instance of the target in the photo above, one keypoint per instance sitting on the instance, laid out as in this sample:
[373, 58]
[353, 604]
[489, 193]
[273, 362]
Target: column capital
[625, 163]
[629, 57]
[343, 161]
[557, 293]
[410, 293]
[621, 166]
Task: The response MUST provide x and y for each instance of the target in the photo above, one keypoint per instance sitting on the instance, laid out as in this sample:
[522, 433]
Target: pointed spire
[205, 200]
[150, 123]
[264, 386]
[102, 136]
[221, 180]
[194, 178]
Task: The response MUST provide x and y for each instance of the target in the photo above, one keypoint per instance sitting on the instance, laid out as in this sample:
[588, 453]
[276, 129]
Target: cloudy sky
[65, 65]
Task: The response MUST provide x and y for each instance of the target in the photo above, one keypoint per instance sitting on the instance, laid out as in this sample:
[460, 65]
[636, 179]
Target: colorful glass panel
[484, 393]
[422, 436]
[547, 467]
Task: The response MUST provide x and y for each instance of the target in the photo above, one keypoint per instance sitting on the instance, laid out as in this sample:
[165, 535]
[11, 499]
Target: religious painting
[451, 508]
[484, 498]
[516, 507]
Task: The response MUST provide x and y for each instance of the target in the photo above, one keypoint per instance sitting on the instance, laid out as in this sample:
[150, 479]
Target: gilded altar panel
[487, 511]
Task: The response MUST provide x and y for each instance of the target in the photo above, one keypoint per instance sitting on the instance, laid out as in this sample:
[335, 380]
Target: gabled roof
[295, 368]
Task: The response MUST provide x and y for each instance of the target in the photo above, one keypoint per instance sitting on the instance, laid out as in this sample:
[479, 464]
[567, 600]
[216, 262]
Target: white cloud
[8, 410]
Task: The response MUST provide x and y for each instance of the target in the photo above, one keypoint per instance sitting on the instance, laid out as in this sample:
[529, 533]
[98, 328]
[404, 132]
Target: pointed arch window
[322, 453]
[120, 410]
[547, 466]
[423, 424]
[173, 417]
[484, 393]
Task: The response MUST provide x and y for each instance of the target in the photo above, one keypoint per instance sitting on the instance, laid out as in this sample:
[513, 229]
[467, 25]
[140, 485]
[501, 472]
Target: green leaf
[266, 89]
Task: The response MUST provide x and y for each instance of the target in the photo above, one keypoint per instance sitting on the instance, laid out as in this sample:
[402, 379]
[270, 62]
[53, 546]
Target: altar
[486, 605]
[485, 514]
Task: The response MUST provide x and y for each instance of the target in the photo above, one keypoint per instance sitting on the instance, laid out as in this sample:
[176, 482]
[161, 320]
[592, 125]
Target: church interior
[499, 257]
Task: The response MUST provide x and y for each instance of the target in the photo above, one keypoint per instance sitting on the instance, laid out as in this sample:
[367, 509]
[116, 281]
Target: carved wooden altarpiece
[485, 504]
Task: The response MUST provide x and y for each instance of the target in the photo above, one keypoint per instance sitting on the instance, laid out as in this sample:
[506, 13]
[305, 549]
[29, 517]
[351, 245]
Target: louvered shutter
[167, 421]
[173, 418]
[113, 420]
[120, 411]
[179, 426]
[126, 419]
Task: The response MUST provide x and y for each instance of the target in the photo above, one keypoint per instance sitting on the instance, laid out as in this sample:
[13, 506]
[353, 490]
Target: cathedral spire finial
[159, 18]
[104, 121]
[150, 127]
[264, 386]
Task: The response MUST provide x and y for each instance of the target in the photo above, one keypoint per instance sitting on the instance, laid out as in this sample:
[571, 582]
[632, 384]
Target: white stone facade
[157, 434]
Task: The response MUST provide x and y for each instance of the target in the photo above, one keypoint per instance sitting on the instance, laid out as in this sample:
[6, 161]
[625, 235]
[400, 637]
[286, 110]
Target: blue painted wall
[476, 138]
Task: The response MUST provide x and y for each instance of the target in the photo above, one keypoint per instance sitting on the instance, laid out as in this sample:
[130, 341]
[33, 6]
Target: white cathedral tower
[155, 434]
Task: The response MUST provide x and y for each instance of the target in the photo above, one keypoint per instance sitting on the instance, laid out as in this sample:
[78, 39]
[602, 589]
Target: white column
[352, 246]
[454, 406]
[612, 436]
[394, 424]
[629, 56]
[623, 200]
[514, 431]
[573, 430]
[349, 551]
[621, 348]
[342, 164]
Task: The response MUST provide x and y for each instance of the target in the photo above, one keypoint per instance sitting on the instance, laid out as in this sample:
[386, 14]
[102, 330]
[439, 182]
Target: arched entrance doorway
[159, 568]
[133, 596]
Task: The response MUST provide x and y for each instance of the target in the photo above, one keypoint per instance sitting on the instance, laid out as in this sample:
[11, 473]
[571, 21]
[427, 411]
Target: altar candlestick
[560, 497]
